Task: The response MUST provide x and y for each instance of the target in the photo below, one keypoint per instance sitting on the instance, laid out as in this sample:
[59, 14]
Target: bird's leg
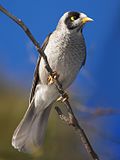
[63, 97]
[52, 77]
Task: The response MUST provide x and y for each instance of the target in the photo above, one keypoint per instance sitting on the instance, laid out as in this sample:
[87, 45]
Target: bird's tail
[29, 134]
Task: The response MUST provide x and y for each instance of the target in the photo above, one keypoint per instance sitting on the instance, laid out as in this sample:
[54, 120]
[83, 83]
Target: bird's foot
[52, 77]
[63, 98]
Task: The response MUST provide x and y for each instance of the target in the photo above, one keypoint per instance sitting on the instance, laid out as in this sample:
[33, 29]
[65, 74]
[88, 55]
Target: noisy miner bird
[66, 52]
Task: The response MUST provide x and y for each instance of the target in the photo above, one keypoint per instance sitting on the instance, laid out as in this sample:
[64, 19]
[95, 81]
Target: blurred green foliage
[61, 142]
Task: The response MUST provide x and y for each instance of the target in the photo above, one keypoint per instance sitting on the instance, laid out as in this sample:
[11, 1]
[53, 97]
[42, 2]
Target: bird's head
[73, 21]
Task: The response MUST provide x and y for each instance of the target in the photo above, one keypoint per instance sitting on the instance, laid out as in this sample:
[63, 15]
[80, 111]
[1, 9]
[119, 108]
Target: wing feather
[36, 78]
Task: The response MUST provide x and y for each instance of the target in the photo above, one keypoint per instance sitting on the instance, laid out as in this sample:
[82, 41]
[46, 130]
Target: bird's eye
[73, 18]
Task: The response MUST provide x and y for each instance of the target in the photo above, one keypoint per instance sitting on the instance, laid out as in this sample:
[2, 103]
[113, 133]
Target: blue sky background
[99, 81]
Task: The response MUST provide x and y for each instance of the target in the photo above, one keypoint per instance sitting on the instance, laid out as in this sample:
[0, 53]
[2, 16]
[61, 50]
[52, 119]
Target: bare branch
[82, 134]
[61, 115]
[91, 114]
[103, 112]
[72, 120]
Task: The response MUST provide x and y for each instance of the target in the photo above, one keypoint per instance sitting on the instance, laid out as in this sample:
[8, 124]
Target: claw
[52, 77]
[50, 80]
[63, 98]
[59, 99]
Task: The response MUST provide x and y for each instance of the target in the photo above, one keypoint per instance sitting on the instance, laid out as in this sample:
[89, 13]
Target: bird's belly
[68, 72]
[67, 67]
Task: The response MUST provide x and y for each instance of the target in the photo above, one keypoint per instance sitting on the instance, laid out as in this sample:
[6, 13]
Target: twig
[57, 83]
[61, 115]
[90, 114]
[82, 134]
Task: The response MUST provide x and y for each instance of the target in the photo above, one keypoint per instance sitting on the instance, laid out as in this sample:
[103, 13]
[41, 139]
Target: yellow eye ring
[72, 18]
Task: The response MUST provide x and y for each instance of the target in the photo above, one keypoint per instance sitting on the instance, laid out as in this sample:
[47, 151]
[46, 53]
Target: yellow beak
[86, 19]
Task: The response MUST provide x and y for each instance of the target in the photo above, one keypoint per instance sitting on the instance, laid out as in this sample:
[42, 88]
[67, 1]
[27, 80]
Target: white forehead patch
[82, 15]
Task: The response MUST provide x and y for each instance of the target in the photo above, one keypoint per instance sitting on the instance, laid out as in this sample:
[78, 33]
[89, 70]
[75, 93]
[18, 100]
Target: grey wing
[84, 60]
[36, 78]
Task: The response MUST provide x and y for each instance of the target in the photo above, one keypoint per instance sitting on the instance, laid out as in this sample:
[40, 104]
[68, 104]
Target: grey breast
[65, 53]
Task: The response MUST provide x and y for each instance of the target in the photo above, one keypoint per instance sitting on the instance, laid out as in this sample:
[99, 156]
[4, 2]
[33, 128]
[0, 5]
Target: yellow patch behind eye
[72, 18]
